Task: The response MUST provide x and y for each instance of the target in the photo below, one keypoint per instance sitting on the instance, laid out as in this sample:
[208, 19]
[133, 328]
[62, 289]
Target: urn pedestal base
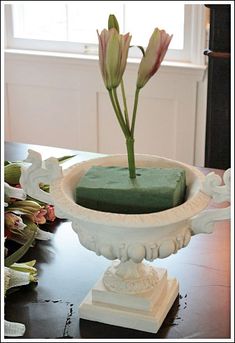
[140, 311]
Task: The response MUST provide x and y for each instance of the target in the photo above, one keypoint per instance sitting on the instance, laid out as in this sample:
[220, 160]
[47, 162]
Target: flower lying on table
[18, 274]
[24, 217]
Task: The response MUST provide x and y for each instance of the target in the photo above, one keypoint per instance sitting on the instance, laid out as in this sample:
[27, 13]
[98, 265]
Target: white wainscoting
[61, 101]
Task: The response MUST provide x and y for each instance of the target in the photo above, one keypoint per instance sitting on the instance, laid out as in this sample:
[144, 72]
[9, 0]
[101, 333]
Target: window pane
[45, 21]
[85, 17]
[141, 17]
[77, 21]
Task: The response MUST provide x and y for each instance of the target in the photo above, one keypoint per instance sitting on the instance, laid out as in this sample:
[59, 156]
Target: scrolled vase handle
[39, 172]
[204, 222]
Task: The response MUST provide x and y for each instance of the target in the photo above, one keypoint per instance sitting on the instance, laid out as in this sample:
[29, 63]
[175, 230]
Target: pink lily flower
[113, 52]
[154, 55]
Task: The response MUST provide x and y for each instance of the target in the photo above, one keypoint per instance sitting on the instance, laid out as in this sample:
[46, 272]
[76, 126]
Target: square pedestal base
[148, 319]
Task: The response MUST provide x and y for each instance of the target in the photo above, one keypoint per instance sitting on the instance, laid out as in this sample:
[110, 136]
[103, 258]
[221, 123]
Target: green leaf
[140, 47]
[21, 251]
[38, 201]
[65, 158]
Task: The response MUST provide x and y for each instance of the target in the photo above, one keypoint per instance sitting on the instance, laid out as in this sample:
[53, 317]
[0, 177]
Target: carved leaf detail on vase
[39, 172]
[133, 278]
[204, 222]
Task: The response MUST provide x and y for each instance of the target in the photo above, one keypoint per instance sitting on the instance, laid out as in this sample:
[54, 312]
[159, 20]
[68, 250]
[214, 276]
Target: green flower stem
[126, 130]
[131, 157]
[125, 105]
[120, 111]
[22, 250]
[120, 119]
[135, 111]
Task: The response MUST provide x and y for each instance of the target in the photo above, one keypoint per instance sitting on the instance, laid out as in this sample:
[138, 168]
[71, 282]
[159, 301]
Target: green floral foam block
[110, 189]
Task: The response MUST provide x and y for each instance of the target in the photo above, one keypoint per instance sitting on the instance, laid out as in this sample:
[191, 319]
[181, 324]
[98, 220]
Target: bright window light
[70, 26]
[143, 17]
[78, 21]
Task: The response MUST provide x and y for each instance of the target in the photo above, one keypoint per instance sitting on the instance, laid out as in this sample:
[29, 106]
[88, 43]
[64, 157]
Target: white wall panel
[156, 129]
[62, 102]
[44, 114]
[7, 126]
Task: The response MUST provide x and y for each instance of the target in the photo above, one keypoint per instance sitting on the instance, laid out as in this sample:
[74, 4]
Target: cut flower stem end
[131, 157]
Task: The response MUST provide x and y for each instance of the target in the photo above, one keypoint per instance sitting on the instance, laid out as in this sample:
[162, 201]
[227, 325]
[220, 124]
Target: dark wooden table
[67, 271]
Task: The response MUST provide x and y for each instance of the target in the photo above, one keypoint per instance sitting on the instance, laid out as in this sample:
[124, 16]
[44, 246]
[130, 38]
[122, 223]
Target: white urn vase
[131, 293]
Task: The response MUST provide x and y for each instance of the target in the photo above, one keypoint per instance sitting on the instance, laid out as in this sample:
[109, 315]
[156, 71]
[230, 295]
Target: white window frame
[194, 39]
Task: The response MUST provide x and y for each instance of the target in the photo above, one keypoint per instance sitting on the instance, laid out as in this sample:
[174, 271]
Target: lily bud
[12, 221]
[113, 23]
[15, 277]
[113, 51]
[12, 172]
[26, 267]
[25, 207]
[154, 55]
[13, 329]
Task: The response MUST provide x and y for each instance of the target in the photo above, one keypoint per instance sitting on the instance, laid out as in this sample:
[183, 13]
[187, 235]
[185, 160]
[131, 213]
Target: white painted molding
[193, 69]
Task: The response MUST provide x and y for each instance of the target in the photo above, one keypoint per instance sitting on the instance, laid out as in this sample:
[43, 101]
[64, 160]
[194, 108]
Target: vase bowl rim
[62, 192]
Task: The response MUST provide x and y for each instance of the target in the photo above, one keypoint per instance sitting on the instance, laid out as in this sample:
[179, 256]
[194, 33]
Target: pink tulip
[154, 55]
[113, 52]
